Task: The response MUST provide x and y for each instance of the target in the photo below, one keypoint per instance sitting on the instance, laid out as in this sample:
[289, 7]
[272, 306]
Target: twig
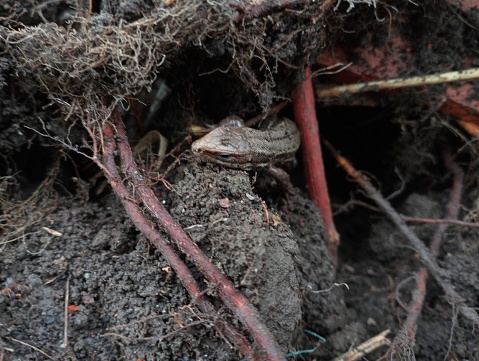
[366, 347]
[454, 222]
[416, 243]
[31, 346]
[305, 115]
[65, 322]
[409, 327]
[421, 80]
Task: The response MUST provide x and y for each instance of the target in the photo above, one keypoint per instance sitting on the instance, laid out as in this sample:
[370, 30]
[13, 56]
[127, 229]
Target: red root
[305, 115]
[265, 346]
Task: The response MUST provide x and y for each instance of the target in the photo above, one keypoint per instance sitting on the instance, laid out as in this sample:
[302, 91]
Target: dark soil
[124, 300]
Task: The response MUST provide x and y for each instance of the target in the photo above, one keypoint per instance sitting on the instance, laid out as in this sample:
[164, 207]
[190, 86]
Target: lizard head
[226, 146]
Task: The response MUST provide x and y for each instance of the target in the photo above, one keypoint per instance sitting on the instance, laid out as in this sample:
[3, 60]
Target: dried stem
[449, 77]
[454, 222]
[31, 346]
[409, 327]
[358, 352]
[65, 314]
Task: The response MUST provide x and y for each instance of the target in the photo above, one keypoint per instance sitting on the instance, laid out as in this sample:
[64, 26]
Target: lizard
[235, 146]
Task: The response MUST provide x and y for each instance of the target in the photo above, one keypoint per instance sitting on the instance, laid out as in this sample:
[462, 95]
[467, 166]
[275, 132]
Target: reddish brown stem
[265, 346]
[305, 114]
[138, 217]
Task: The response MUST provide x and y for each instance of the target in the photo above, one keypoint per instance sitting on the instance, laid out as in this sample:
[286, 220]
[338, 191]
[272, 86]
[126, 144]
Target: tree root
[115, 142]
[305, 115]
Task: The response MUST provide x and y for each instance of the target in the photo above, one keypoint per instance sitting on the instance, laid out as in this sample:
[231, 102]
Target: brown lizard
[235, 146]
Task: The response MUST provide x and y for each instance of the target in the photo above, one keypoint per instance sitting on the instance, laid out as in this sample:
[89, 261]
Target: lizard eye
[224, 157]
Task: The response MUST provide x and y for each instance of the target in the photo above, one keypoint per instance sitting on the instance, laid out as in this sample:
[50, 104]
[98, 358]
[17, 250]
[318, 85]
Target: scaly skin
[247, 148]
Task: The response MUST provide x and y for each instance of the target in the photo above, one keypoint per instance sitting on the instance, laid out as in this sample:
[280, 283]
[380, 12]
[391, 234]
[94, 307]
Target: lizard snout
[196, 148]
